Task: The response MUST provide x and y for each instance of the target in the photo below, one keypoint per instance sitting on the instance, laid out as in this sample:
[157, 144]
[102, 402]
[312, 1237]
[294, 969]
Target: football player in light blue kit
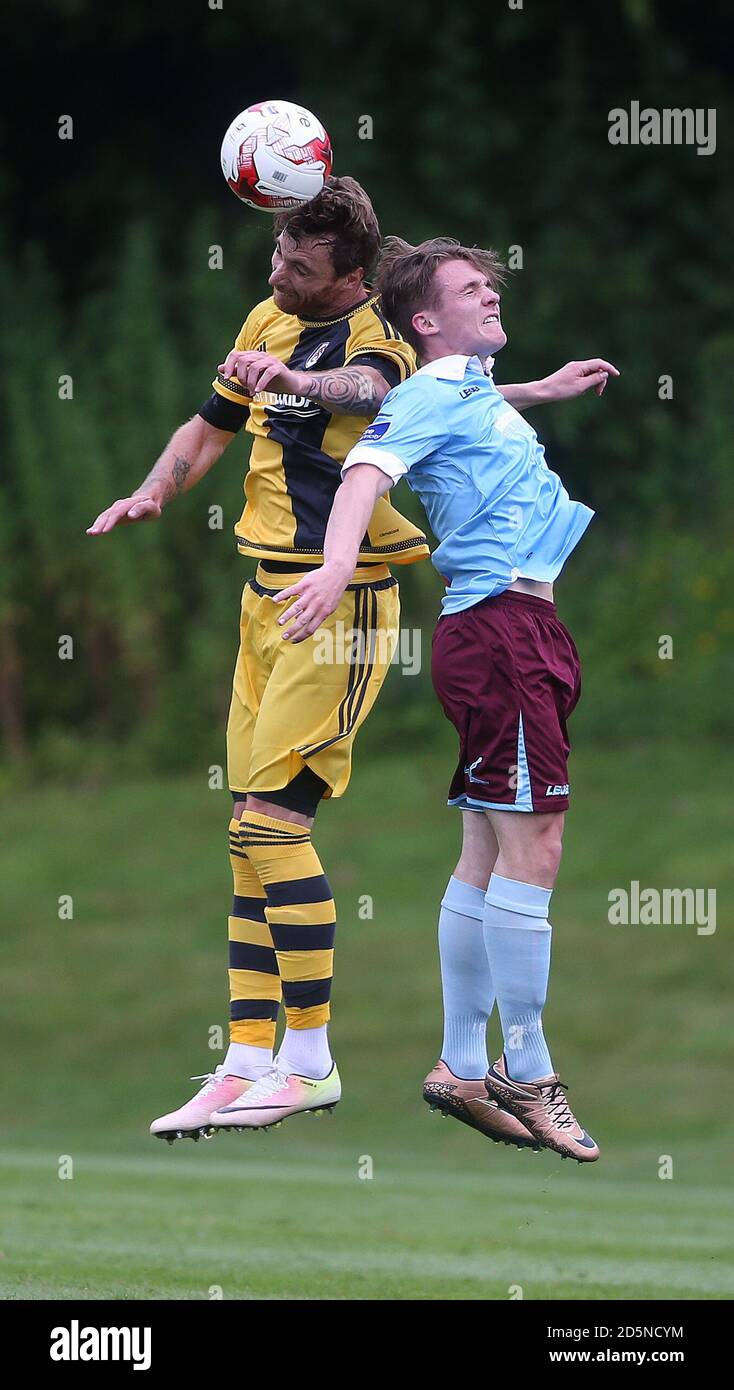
[504, 667]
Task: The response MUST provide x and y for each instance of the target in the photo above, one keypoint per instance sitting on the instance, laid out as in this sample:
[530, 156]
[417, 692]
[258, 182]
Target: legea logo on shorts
[77, 1343]
[562, 789]
[375, 431]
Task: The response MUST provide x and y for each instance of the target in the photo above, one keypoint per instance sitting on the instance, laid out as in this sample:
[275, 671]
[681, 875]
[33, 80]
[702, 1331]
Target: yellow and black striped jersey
[299, 446]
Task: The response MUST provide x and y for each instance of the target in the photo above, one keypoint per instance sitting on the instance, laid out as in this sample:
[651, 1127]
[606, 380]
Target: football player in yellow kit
[310, 365]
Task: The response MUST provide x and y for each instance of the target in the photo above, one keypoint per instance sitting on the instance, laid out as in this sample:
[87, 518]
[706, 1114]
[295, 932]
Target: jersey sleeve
[246, 341]
[386, 366]
[407, 429]
[223, 413]
[375, 336]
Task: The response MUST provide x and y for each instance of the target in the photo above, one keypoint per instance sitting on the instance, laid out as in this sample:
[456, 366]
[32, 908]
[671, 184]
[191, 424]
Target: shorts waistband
[271, 580]
[512, 596]
[288, 567]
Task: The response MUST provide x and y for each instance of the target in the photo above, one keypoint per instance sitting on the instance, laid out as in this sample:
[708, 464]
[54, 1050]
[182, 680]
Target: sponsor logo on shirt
[376, 430]
[295, 407]
[468, 391]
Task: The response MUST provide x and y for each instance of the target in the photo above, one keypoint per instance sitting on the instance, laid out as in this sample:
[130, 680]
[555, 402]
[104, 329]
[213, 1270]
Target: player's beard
[287, 303]
[306, 307]
[300, 305]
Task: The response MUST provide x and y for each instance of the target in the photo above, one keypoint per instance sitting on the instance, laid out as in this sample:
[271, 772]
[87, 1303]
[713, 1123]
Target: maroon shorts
[508, 676]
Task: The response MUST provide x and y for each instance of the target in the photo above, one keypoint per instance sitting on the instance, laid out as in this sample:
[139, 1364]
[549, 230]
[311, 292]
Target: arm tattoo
[348, 390]
[170, 479]
[180, 471]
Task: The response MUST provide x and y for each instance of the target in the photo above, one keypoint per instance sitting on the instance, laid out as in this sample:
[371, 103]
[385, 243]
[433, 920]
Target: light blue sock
[517, 934]
[466, 981]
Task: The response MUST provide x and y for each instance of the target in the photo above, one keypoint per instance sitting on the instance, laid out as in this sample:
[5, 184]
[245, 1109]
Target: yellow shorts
[301, 705]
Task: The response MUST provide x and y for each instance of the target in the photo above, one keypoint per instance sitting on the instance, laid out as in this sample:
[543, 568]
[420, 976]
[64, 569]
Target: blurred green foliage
[489, 127]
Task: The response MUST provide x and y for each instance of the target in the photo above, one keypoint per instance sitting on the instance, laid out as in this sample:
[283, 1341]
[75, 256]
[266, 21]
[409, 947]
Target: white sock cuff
[523, 899]
[464, 898]
[242, 1059]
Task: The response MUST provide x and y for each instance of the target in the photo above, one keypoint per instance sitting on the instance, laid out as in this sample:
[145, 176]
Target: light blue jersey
[496, 508]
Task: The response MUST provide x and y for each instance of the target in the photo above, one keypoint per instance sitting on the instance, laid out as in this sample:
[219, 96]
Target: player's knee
[475, 865]
[478, 850]
[547, 849]
[277, 810]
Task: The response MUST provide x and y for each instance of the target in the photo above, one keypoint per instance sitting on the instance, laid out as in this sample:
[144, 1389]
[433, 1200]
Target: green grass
[269, 1217]
[108, 1014]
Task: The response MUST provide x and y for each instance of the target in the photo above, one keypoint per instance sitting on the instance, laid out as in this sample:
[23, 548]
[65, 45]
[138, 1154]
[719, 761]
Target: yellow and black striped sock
[300, 913]
[254, 983]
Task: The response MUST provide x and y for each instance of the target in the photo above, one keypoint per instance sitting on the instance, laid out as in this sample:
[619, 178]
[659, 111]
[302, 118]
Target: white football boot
[191, 1121]
[275, 1097]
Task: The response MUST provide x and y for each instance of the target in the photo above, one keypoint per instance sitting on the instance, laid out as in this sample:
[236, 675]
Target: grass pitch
[111, 1011]
[278, 1218]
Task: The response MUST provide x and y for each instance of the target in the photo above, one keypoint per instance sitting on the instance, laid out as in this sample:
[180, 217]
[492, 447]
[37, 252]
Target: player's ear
[424, 324]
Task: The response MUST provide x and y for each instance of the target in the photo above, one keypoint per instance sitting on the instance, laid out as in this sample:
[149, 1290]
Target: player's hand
[576, 378]
[260, 371]
[315, 598]
[126, 510]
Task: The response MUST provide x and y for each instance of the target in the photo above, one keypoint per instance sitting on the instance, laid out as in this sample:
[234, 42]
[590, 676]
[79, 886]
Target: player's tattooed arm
[357, 390]
[192, 451]
[166, 479]
[347, 390]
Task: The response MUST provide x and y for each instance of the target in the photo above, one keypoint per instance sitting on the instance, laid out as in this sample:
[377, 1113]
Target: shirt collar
[454, 367]
[369, 303]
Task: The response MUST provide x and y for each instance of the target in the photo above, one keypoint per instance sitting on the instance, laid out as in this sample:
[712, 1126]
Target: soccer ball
[276, 155]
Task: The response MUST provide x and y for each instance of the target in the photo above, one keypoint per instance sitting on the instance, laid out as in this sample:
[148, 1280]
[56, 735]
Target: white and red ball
[276, 155]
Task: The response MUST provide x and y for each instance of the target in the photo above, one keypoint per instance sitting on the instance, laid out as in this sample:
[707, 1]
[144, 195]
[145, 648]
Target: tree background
[489, 124]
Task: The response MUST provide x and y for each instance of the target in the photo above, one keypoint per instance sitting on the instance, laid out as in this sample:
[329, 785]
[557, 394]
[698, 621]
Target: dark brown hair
[343, 212]
[405, 276]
